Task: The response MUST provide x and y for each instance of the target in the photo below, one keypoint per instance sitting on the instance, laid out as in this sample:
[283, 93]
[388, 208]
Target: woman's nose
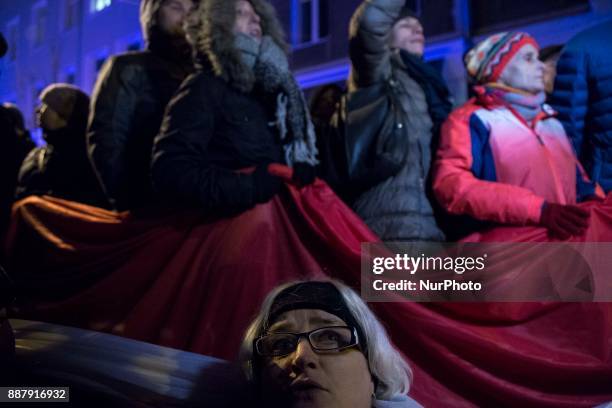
[304, 355]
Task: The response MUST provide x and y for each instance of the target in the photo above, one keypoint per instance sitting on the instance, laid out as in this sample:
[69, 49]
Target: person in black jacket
[129, 99]
[8, 175]
[242, 109]
[61, 168]
[24, 139]
[323, 104]
[8, 164]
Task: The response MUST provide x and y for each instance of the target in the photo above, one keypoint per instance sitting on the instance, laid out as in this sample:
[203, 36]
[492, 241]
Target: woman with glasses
[317, 344]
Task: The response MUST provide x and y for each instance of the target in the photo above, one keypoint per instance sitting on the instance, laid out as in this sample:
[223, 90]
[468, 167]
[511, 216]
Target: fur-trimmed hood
[210, 31]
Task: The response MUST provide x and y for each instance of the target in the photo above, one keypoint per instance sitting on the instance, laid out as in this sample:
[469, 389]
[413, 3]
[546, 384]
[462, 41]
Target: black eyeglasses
[331, 338]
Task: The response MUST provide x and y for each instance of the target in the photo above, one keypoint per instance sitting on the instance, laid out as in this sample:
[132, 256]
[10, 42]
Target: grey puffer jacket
[398, 208]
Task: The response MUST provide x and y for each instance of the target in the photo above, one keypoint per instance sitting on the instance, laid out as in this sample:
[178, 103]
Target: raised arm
[368, 41]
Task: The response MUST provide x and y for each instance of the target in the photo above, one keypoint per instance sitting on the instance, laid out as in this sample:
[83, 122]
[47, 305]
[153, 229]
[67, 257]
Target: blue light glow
[99, 5]
[339, 70]
[322, 75]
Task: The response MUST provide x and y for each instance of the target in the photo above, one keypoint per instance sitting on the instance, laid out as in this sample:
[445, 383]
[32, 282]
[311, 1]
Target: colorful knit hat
[487, 60]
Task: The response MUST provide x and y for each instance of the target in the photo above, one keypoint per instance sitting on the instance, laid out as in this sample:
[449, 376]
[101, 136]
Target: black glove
[304, 174]
[265, 184]
[564, 221]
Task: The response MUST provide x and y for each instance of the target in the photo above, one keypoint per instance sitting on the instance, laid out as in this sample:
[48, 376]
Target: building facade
[318, 31]
[69, 40]
[61, 41]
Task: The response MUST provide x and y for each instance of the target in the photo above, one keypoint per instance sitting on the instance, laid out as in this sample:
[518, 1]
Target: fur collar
[210, 32]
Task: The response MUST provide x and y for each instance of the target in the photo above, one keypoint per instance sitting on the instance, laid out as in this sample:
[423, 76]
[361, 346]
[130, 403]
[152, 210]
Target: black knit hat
[407, 11]
[550, 52]
[67, 100]
[315, 295]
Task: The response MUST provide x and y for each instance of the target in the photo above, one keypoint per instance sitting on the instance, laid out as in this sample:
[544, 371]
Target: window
[99, 5]
[40, 24]
[12, 39]
[309, 21]
[490, 16]
[70, 13]
[437, 17]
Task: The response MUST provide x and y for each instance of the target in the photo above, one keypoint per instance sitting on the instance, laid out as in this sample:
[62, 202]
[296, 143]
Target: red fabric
[600, 228]
[183, 281]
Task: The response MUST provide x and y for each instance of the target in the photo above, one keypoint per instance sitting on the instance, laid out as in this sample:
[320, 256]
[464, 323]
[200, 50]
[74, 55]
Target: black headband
[315, 295]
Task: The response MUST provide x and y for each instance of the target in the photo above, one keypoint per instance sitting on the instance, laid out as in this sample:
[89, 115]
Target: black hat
[315, 295]
[550, 52]
[66, 100]
[407, 11]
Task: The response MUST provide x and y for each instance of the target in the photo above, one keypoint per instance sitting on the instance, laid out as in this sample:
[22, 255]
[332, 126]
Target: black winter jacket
[61, 173]
[210, 131]
[128, 104]
[8, 167]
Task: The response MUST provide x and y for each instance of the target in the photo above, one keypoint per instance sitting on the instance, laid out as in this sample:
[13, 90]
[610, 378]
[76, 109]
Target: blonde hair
[386, 364]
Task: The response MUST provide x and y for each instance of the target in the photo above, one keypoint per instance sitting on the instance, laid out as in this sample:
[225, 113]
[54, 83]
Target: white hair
[386, 364]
